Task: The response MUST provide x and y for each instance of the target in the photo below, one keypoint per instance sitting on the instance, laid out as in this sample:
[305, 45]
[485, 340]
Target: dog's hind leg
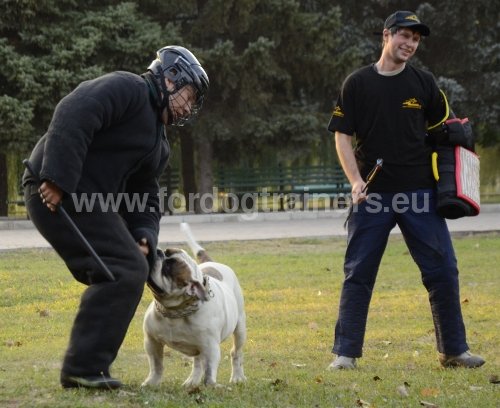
[239, 338]
[154, 351]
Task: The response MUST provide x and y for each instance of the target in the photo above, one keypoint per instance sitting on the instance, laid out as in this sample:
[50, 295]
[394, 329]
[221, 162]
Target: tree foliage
[48, 47]
[275, 66]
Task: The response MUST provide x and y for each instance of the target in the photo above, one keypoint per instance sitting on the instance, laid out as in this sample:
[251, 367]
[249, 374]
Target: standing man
[387, 107]
[107, 140]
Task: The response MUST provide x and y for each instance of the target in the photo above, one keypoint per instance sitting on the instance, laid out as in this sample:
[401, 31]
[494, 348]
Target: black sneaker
[97, 382]
[466, 360]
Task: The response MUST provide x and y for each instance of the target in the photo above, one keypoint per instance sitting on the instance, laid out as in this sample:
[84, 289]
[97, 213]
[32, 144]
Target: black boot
[98, 382]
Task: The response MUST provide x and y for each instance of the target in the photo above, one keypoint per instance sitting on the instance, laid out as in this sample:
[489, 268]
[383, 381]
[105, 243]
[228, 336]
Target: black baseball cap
[406, 19]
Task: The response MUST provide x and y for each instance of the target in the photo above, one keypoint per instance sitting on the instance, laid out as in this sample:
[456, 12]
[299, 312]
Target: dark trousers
[106, 308]
[428, 239]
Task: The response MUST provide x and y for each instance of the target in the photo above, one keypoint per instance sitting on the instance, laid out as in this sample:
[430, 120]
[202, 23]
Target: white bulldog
[196, 307]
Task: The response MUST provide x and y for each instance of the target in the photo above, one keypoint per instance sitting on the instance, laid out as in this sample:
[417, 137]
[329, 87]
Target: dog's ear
[197, 290]
[171, 251]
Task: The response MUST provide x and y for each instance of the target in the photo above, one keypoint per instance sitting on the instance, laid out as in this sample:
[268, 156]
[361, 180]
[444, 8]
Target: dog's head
[176, 275]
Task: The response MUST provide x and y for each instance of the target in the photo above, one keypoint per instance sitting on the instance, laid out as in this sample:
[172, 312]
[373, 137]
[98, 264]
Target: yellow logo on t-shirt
[338, 112]
[411, 103]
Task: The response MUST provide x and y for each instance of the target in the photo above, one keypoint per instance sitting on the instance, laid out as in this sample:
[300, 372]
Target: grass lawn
[291, 289]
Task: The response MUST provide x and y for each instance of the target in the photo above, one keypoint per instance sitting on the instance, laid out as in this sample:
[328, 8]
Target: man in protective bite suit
[107, 140]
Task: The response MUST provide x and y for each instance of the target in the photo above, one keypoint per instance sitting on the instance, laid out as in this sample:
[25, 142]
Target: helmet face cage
[176, 98]
[181, 67]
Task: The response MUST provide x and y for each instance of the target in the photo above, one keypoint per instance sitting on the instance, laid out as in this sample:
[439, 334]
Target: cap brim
[421, 28]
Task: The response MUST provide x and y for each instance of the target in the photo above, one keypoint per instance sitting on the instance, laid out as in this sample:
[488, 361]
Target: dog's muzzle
[190, 305]
[157, 291]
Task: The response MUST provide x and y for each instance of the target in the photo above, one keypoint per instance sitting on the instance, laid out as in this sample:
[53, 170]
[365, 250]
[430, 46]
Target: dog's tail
[197, 250]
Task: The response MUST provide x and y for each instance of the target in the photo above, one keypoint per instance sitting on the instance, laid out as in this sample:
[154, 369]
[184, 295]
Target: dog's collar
[185, 309]
[190, 306]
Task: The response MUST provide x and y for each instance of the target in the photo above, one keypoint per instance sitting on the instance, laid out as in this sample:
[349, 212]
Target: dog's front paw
[191, 384]
[238, 378]
[151, 382]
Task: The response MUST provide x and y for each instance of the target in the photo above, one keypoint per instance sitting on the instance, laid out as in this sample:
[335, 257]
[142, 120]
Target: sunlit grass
[291, 291]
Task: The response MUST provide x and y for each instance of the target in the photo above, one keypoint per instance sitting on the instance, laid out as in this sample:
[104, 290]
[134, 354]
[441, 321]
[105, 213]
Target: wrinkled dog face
[178, 275]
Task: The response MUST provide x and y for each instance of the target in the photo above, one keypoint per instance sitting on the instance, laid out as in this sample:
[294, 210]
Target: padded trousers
[106, 308]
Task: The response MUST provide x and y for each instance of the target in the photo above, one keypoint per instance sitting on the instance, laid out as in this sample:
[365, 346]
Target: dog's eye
[181, 283]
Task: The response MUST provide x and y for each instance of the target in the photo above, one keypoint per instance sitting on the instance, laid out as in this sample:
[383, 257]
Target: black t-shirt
[388, 115]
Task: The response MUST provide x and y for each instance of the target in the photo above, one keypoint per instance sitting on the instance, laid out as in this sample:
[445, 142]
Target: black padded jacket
[106, 139]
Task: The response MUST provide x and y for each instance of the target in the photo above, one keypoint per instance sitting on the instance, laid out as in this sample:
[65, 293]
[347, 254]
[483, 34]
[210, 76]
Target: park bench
[170, 180]
[16, 205]
[286, 184]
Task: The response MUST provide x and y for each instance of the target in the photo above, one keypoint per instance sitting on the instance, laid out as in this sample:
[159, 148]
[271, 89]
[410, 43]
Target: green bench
[289, 185]
[170, 183]
[286, 184]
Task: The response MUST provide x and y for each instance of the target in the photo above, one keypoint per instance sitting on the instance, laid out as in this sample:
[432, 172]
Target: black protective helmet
[180, 66]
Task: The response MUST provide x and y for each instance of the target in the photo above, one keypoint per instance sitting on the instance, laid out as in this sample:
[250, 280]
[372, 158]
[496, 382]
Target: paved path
[223, 227]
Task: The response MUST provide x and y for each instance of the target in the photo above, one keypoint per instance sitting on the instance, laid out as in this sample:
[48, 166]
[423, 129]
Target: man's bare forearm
[343, 144]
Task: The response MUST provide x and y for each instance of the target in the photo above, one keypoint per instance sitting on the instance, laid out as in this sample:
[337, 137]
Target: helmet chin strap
[164, 90]
[164, 101]
[170, 115]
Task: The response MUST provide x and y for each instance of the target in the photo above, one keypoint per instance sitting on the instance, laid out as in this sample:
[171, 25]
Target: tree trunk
[205, 175]
[3, 186]
[188, 171]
